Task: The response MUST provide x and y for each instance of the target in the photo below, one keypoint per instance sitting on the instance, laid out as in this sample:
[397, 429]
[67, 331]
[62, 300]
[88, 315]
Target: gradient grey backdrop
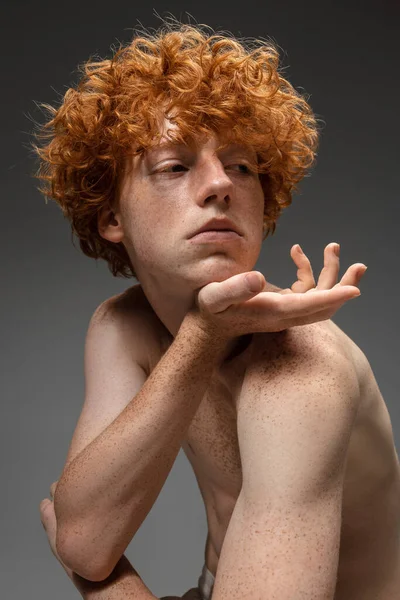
[347, 59]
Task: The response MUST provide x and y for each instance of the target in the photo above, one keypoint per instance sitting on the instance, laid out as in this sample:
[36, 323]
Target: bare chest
[212, 445]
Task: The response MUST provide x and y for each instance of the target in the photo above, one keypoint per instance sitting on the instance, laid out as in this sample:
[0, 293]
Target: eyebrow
[234, 146]
[166, 146]
[238, 146]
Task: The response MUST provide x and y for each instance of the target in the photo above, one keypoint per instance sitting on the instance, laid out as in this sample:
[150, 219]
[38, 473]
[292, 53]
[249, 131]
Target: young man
[173, 161]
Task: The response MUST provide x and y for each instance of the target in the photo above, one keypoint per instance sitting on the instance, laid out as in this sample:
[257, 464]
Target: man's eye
[172, 169]
[242, 166]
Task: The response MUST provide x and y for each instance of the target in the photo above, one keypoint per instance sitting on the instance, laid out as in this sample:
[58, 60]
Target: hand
[49, 522]
[241, 304]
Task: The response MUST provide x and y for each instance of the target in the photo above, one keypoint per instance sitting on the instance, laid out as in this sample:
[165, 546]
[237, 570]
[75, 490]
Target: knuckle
[279, 306]
[44, 507]
[229, 290]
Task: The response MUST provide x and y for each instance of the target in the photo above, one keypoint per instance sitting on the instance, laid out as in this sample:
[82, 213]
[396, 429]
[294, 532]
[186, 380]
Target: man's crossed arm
[259, 440]
[295, 416]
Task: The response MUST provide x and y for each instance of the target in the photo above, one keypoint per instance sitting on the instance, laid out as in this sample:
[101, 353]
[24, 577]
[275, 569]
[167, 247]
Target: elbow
[77, 550]
[75, 553]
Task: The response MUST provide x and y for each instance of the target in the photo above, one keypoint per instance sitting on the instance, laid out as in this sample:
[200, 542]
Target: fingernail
[299, 249]
[337, 249]
[253, 282]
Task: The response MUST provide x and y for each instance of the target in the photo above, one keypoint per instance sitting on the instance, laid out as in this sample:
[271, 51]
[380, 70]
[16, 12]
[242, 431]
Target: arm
[107, 488]
[295, 417]
[124, 583]
[127, 440]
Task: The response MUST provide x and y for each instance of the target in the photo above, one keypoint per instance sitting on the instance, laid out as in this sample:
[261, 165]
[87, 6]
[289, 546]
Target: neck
[171, 305]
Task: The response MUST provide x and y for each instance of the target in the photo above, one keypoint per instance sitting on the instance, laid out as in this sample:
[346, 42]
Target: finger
[353, 274]
[53, 489]
[45, 511]
[321, 315]
[218, 296]
[305, 278]
[49, 522]
[329, 274]
[299, 305]
[328, 299]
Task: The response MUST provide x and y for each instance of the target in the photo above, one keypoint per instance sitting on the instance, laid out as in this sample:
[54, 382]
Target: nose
[215, 184]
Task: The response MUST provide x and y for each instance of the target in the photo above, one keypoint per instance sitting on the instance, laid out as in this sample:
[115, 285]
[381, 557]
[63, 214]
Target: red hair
[211, 83]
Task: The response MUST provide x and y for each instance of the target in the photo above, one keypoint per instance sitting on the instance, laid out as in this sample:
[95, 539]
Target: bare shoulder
[130, 316]
[323, 335]
[130, 304]
[295, 343]
[307, 349]
[301, 343]
[308, 368]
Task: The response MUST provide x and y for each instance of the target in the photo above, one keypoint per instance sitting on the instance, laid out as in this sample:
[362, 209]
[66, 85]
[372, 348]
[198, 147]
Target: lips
[217, 225]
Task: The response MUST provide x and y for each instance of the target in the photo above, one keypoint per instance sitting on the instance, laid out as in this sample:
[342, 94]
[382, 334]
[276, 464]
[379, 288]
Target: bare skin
[369, 561]
[365, 571]
[372, 479]
[160, 208]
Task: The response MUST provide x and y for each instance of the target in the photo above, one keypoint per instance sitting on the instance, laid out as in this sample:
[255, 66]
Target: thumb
[45, 512]
[218, 296]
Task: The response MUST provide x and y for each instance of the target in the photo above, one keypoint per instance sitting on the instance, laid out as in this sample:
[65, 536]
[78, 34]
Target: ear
[109, 225]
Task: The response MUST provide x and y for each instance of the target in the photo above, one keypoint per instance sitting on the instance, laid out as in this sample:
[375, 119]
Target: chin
[216, 270]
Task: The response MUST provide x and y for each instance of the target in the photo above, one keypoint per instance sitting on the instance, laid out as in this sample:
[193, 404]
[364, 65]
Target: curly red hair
[211, 83]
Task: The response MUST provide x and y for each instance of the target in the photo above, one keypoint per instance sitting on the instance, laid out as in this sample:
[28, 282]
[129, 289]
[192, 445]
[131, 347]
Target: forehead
[170, 138]
[213, 143]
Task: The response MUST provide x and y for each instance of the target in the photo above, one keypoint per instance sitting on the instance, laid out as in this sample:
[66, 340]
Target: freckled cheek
[144, 208]
[154, 223]
[252, 200]
[253, 215]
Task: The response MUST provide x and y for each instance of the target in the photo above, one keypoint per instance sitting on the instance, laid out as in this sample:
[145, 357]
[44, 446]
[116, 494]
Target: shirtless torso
[369, 560]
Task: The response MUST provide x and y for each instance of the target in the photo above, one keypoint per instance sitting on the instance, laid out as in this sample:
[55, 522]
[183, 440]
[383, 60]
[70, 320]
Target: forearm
[124, 583]
[106, 492]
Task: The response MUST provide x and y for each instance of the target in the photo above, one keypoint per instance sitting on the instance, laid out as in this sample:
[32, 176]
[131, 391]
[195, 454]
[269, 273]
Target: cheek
[142, 214]
[255, 207]
[149, 227]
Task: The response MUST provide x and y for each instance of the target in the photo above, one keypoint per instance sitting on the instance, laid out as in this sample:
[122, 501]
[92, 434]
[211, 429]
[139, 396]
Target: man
[173, 161]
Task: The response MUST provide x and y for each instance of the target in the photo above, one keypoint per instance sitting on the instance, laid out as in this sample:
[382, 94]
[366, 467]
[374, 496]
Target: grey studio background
[345, 55]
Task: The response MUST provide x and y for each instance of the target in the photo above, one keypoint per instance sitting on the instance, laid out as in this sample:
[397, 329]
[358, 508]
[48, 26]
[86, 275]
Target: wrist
[123, 582]
[206, 337]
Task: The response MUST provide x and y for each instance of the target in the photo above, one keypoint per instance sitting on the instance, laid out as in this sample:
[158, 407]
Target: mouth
[223, 227]
[215, 236]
